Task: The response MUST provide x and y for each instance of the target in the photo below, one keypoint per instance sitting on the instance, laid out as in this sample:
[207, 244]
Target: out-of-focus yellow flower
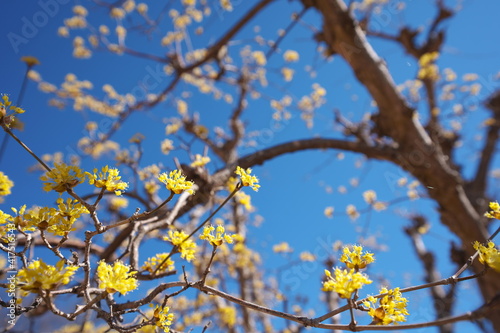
[116, 277]
[39, 276]
[117, 203]
[259, 57]
[5, 185]
[345, 282]
[307, 256]
[227, 315]
[329, 212]
[151, 265]
[176, 182]
[291, 56]
[61, 177]
[282, 247]
[186, 246]
[391, 309]
[200, 161]
[30, 61]
[356, 258]
[108, 178]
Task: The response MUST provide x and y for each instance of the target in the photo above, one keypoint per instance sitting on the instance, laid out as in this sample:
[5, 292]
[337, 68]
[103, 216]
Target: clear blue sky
[293, 193]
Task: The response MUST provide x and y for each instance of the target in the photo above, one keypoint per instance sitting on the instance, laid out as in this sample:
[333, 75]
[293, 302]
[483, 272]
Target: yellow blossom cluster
[488, 254]
[163, 318]
[200, 161]
[494, 213]
[6, 104]
[176, 182]
[428, 69]
[345, 282]
[151, 265]
[218, 238]
[39, 276]
[186, 246]
[247, 179]
[58, 221]
[291, 56]
[282, 247]
[5, 185]
[391, 308]
[227, 315]
[166, 146]
[62, 177]
[117, 203]
[355, 258]
[108, 178]
[116, 277]
[240, 197]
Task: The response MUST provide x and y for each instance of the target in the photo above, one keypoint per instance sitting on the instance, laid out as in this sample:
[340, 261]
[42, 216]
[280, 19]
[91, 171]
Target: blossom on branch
[391, 309]
[62, 177]
[39, 276]
[176, 182]
[108, 178]
[116, 277]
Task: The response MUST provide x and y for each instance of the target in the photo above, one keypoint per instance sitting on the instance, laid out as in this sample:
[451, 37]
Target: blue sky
[293, 195]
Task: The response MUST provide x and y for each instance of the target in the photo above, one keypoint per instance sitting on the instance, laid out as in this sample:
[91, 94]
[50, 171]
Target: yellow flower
[6, 104]
[5, 184]
[176, 182]
[40, 276]
[307, 256]
[352, 212]
[117, 203]
[67, 213]
[116, 277]
[200, 161]
[247, 179]
[345, 282]
[61, 177]
[219, 237]
[259, 57]
[494, 213]
[291, 56]
[186, 246]
[488, 254]
[227, 315]
[329, 212]
[152, 263]
[282, 247]
[163, 318]
[370, 196]
[355, 258]
[30, 61]
[107, 178]
[391, 309]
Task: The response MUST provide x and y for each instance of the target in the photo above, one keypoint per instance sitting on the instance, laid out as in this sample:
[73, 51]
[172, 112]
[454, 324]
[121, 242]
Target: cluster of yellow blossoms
[116, 278]
[391, 308]
[38, 276]
[345, 282]
[108, 178]
[219, 237]
[176, 182]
